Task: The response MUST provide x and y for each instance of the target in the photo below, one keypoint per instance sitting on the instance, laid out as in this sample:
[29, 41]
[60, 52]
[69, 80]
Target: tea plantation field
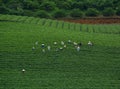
[96, 67]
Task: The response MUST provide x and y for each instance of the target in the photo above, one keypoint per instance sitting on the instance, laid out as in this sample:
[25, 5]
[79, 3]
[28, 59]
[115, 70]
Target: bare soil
[93, 20]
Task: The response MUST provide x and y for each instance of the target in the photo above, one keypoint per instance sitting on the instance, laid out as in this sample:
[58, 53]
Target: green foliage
[79, 5]
[20, 6]
[48, 6]
[4, 1]
[63, 5]
[108, 12]
[118, 11]
[42, 14]
[30, 5]
[28, 13]
[14, 5]
[76, 13]
[92, 12]
[59, 14]
[3, 9]
[15, 12]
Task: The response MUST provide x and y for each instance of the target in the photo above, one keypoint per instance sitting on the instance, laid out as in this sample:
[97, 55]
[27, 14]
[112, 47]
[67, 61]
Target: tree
[15, 7]
[59, 14]
[48, 6]
[92, 12]
[118, 11]
[79, 5]
[3, 9]
[5, 1]
[42, 14]
[30, 5]
[76, 13]
[63, 5]
[28, 13]
[108, 3]
[108, 12]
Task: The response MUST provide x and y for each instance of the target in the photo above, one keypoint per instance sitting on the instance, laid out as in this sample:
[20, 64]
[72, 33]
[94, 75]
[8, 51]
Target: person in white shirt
[23, 70]
[90, 43]
[49, 48]
[78, 48]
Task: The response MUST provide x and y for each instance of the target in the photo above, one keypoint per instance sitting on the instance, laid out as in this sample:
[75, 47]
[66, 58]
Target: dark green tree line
[60, 8]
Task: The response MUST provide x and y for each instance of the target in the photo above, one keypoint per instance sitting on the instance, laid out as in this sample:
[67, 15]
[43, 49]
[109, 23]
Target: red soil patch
[93, 20]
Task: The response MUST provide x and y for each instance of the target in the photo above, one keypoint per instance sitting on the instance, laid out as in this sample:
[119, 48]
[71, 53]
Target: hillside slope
[95, 67]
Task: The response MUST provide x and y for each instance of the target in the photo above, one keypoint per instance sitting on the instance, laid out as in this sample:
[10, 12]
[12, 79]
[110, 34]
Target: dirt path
[95, 20]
